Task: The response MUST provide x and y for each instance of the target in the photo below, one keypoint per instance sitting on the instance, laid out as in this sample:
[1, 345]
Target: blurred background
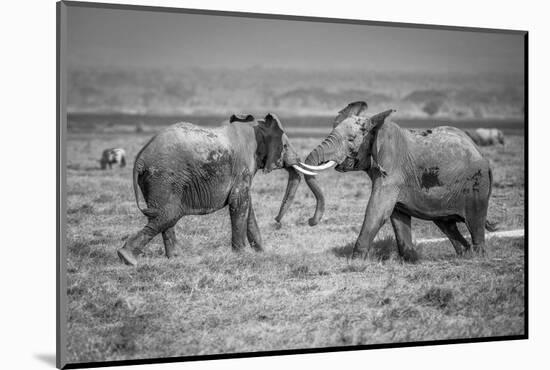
[137, 70]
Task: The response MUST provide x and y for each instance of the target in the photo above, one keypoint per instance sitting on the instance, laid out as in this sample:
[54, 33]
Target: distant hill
[199, 91]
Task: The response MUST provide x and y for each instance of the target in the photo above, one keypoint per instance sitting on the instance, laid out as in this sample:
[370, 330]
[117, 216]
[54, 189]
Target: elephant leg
[164, 211]
[476, 226]
[380, 207]
[239, 205]
[401, 223]
[167, 217]
[475, 217]
[253, 232]
[450, 229]
[170, 242]
[135, 244]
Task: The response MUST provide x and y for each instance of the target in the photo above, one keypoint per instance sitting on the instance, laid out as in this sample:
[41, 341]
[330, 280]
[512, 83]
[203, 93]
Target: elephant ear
[273, 128]
[371, 126]
[241, 118]
[357, 108]
[273, 122]
[273, 133]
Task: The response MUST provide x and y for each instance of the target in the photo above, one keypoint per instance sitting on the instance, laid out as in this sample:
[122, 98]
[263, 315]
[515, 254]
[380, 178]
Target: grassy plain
[301, 292]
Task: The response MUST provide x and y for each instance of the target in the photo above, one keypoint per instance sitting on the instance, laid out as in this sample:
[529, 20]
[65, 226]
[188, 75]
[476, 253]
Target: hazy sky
[154, 39]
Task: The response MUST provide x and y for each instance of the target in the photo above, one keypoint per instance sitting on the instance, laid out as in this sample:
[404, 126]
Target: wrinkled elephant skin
[191, 170]
[437, 175]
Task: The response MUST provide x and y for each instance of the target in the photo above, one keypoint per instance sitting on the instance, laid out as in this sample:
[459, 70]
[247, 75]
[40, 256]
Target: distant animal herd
[438, 175]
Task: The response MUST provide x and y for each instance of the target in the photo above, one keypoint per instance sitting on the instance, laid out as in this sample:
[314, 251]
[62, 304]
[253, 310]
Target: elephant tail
[137, 171]
[491, 226]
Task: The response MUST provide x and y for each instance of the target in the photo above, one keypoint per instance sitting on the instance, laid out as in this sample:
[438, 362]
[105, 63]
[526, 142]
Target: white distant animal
[486, 136]
[113, 156]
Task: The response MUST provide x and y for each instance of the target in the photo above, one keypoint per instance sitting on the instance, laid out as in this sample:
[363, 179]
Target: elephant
[112, 156]
[190, 170]
[438, 175]
[486, 136]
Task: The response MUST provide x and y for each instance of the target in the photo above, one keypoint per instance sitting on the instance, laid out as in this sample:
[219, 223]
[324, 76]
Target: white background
[27, 190]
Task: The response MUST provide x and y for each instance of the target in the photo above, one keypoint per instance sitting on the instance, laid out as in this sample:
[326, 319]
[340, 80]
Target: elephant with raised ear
[190, 170]
[437, 175]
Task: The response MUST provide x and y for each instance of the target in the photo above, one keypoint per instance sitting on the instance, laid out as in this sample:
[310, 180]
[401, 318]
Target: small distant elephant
[113, 156]
[191, 170]
[437, 175]
[486, 136]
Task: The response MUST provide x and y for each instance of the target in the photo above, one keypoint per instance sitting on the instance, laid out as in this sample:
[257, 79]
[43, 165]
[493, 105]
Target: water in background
[109, 99]
[296, 126]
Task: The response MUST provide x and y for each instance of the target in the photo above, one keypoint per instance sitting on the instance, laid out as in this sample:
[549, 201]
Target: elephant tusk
[322, 167]
[305, 172]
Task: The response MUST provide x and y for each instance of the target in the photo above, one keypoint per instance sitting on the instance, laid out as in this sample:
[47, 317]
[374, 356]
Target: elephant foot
[175, 252]
[410, 255]
[172, 246]
[237, 248]
[257, 247]
[479, 250]
[356, 253]
[127, 257]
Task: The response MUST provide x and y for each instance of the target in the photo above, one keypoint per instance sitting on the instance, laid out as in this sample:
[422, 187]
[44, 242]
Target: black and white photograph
[244, 184]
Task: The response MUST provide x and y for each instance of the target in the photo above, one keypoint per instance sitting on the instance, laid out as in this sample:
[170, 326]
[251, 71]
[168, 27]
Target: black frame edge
[58, 363]
[302, 351]
[526, 182]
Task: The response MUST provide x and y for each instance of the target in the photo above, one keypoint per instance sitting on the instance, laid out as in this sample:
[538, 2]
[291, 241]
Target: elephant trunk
[326, 151]
[291, 187]
[313, 185]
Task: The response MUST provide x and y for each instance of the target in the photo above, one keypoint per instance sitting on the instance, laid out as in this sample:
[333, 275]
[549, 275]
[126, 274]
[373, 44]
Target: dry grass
[301, 292]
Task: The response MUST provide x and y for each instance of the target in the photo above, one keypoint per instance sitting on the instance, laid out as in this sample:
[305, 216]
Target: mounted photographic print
[236, 184]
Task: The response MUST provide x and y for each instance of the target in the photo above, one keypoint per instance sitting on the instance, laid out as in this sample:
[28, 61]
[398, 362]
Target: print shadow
[46, 358]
